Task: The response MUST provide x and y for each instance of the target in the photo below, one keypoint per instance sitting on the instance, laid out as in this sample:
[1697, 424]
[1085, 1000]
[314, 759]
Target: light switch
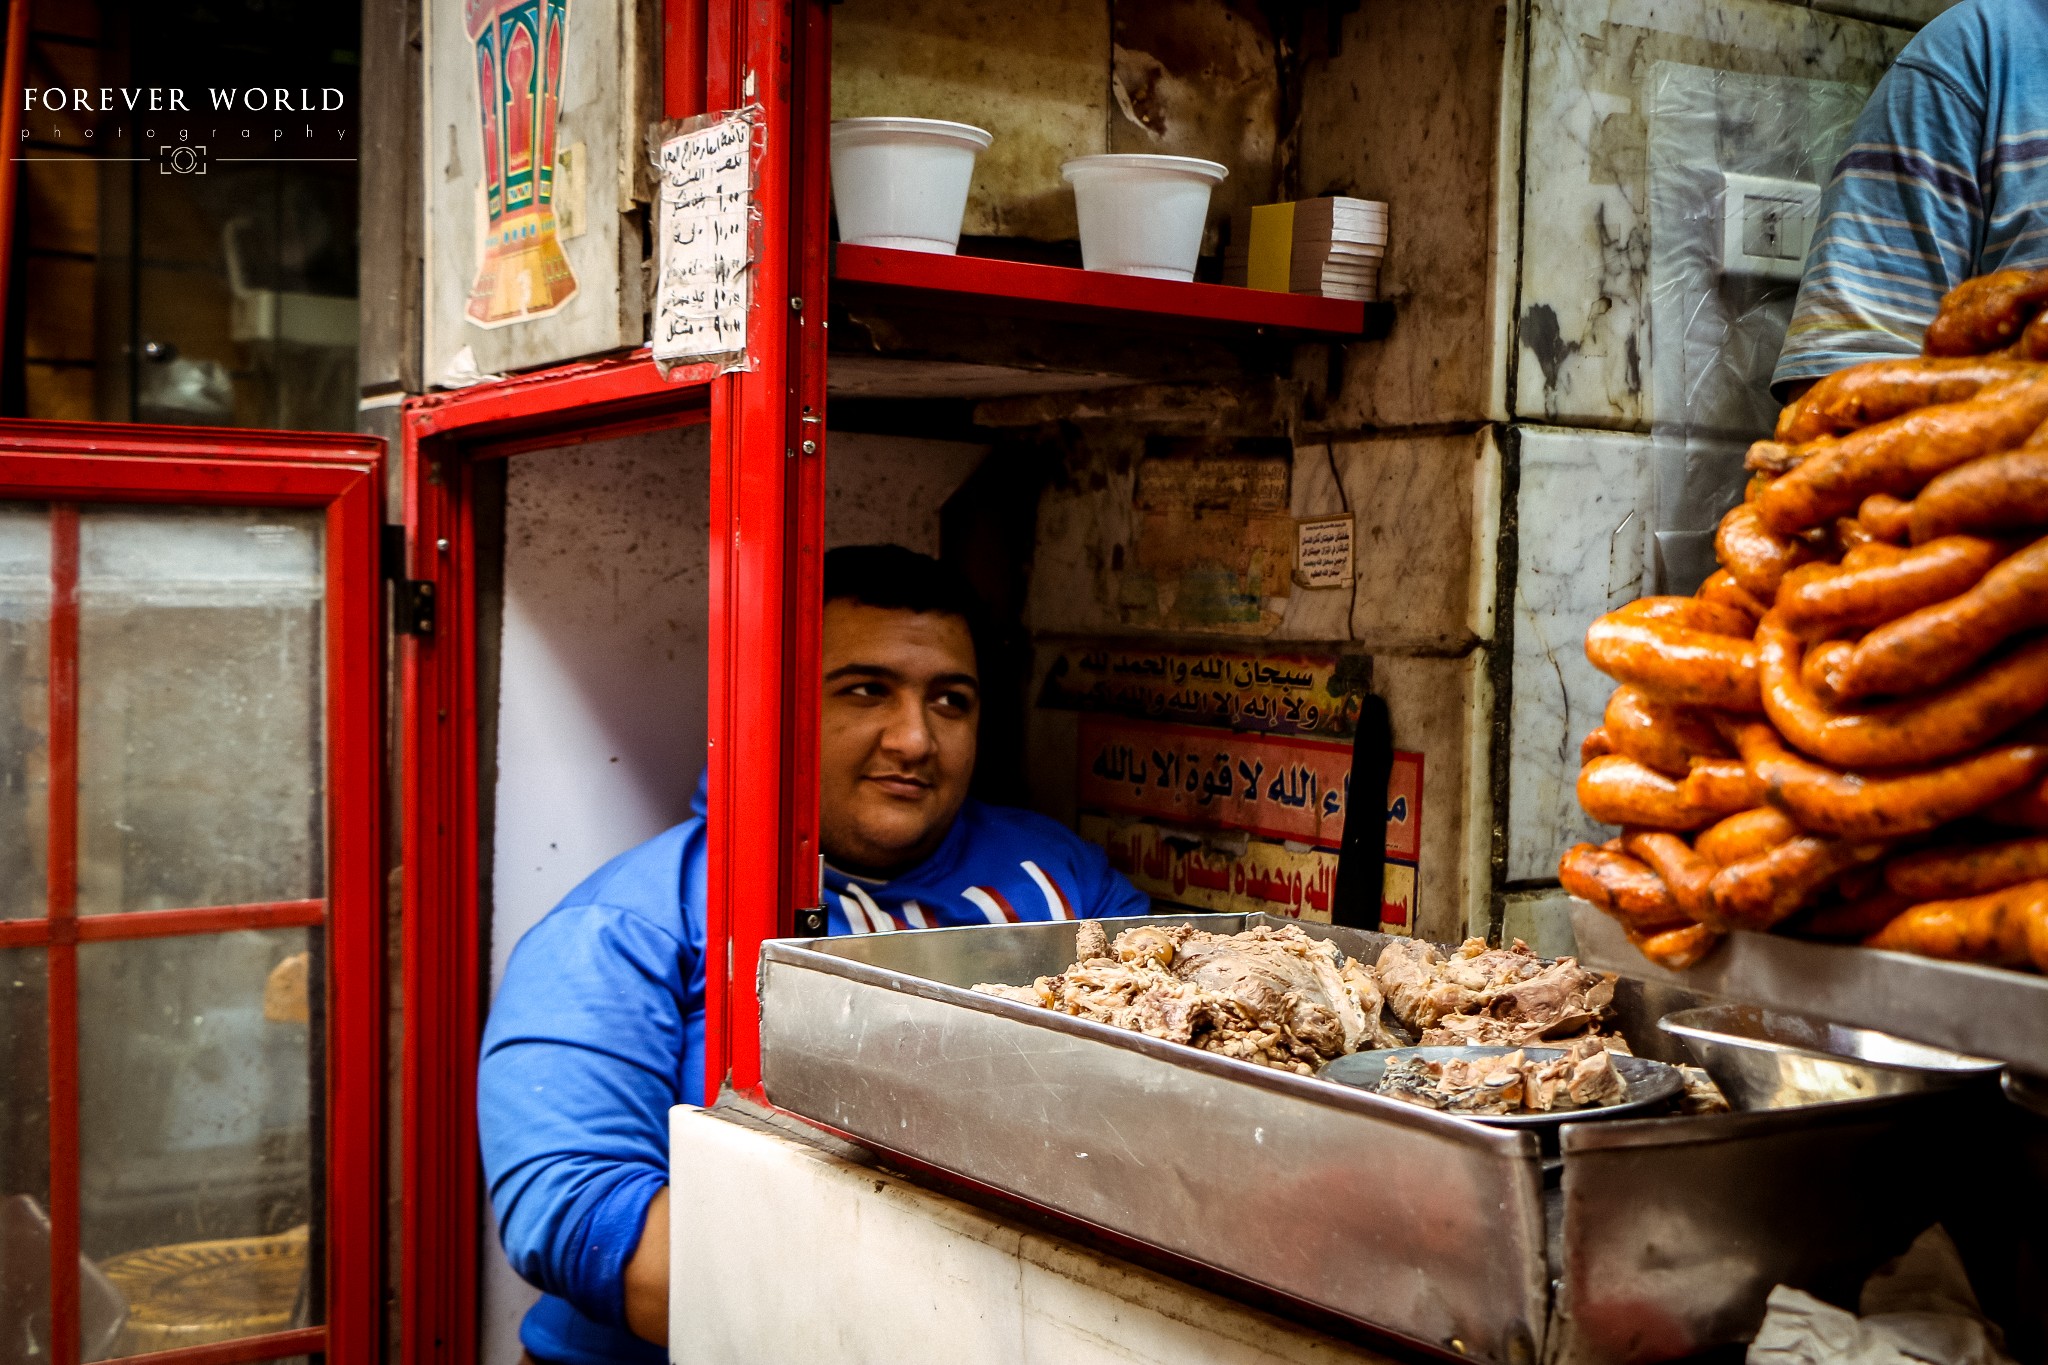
[1766, 225]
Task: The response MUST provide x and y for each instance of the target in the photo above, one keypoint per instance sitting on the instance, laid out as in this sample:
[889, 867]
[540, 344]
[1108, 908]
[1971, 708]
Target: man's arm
[1901, 221]
[647, 1276]
[581, 1065]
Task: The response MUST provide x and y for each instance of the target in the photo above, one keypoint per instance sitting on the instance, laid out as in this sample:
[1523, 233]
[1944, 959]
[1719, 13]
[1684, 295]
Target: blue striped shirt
[1946, 178]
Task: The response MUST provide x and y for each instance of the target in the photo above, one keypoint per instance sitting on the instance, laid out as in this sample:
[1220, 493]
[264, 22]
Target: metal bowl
[1651, 1084]
[1770, 1059]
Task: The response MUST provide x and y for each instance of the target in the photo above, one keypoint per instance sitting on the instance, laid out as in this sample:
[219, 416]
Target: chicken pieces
[1277, 997]
[1584, 1077]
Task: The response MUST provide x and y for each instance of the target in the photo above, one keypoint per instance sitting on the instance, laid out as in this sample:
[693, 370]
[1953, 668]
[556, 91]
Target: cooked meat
[1273, 996]
[1583, 1077]
[1493, 996]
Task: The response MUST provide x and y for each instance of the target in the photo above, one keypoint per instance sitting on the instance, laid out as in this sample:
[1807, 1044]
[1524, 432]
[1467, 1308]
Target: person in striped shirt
[598, 1026]
[1945, 178]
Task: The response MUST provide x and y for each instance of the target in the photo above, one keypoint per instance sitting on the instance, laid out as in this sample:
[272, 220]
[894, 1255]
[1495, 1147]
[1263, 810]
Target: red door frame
[767, 511]
[65, 463]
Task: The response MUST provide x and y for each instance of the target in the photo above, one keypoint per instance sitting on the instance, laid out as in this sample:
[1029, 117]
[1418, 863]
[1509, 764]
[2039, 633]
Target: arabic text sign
[1262, 877]
[1289, 694]
[1279, 786]
[1322, 552]
[704, 260]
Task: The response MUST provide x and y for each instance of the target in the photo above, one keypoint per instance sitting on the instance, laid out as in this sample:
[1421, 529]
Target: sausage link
[1887, 518]
[2006, 928]
[1722, 588]
[1690, 613]
[1817, 670]
[1596, 743]
[1676, 949]
[1995, 493]
[1942, 873]
[1616, 790]
[1900, 455]
[1744, 835]
[1964, 716]
[1676, 662]
[1871, 588]
[1757, 892]
[1854, 920]
[1755, 556]
[1685, 872]
[2033, 343]
[1659, 734]
[1878, 390]
[1983, 314]
[1776, 457]
[1928, 647]
[1852, 806]
[1722, 784]
[1620, 885]
[1851, 532]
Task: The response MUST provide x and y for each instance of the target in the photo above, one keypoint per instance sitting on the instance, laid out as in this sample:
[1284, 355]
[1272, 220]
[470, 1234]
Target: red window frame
[767, 542]
[66, 463]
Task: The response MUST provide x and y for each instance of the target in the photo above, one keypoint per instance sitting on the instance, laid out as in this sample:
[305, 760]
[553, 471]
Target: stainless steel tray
[1661, 1238]
[1982, 1011]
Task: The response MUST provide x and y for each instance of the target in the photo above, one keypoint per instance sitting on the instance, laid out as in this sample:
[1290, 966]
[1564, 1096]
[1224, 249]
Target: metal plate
[1650, 1083]
[1772, 1059]
[1980, 1011]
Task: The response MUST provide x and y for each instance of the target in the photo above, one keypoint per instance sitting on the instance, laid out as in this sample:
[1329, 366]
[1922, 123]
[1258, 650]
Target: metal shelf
[1983, 1011]
[1023, 288]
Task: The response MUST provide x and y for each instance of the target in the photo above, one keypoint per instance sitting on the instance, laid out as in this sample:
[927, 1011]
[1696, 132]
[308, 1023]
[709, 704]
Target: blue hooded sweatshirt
[598, 1031]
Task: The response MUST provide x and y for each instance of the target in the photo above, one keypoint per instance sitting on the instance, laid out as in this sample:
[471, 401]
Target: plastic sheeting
[1715, 337]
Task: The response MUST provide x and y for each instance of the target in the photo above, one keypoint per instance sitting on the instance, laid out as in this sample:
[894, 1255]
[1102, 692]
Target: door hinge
[412, 606]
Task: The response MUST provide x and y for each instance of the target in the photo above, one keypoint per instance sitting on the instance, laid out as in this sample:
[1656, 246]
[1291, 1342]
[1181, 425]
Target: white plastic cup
[902, 182]
[1142, 214]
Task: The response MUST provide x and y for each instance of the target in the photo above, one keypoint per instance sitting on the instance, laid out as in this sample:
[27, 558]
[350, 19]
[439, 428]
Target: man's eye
[956, 703]
[867, 690]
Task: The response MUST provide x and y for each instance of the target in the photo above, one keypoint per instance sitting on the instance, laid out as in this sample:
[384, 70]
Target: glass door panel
[199, 703]
[24, 1159]
[24, 708]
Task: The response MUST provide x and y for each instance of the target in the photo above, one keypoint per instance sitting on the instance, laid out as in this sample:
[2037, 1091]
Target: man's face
[902, 703]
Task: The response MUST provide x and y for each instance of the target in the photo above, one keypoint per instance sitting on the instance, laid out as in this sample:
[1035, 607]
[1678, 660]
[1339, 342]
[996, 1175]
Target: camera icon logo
[184, 159]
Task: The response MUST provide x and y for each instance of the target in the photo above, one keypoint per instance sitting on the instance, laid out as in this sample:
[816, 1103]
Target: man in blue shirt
[1945, 178]
[598, 1026]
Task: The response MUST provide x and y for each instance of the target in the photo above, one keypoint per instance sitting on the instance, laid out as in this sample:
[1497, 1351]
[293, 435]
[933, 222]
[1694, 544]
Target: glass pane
[200, 704]
[24, 1159]
[24, 709]
[199, 1121]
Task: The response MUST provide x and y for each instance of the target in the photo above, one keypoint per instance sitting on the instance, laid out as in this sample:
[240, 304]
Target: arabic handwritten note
[1322, 552]
[705, 257]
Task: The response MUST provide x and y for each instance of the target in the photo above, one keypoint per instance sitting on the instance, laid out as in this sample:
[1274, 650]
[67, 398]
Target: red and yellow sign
[1262, 876]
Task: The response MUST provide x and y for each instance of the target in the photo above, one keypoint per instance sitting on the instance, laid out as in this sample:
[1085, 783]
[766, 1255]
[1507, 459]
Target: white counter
[791, 1251]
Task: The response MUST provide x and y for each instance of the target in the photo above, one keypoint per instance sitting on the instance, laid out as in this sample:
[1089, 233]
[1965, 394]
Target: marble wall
[1583, 331]
[1582, 548]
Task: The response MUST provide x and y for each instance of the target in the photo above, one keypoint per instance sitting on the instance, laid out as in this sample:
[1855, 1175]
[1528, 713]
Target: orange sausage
[1869, 588]
[1963, 716]
[1676, 949]
[1928, 647]
[1851, 806]
[1689, 613]
[1983, 314]
[1722, 784]
[1854, 920]
[2033, 343]
[1659, 734]
[1900, 455]
[1679, 663]
[1621, 886]
[1773, 458]
[1757, 892]
[1616, 790]
[1685, 872]
[1881, 389]
[2007, 928]
[1817, 670]
[1942, 873]
[1995, 493]
[1886, 517]
[1596, 743]
[1755, 556]
[1744, 835]
[1721, 587]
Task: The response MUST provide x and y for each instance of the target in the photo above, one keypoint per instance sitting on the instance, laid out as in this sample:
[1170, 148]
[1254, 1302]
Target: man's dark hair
[898, 579]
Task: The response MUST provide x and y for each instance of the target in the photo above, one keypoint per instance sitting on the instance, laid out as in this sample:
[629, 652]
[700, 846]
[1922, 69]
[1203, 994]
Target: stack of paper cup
[1332, 247]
